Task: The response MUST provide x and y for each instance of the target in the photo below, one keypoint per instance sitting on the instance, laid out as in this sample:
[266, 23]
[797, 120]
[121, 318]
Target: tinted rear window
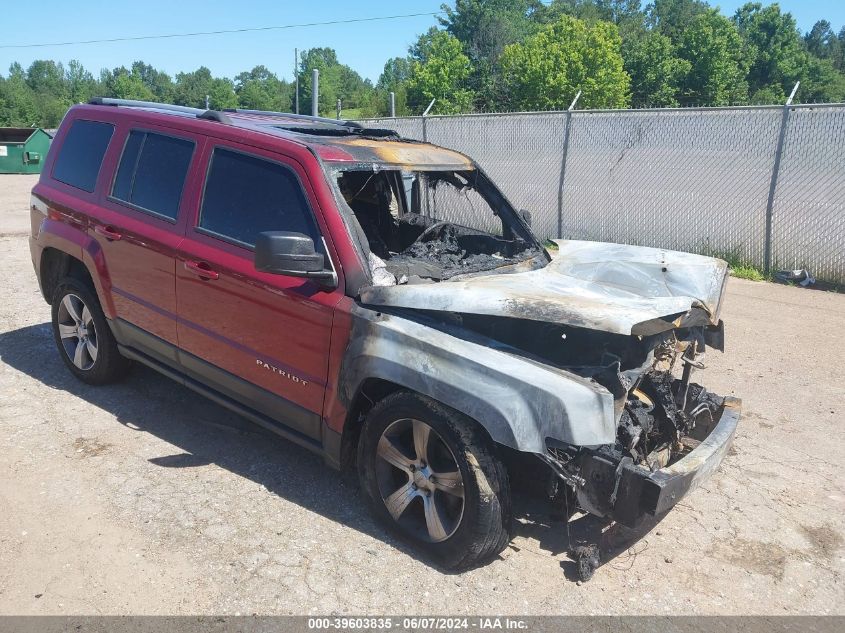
[246, 195]
[152, 172]
[81, 154]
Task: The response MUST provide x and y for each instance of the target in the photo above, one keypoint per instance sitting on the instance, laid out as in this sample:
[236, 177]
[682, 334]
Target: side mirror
[293, 254]
[526, 216]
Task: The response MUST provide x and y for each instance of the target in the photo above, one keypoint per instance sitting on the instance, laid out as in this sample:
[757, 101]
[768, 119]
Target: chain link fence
[700, 179]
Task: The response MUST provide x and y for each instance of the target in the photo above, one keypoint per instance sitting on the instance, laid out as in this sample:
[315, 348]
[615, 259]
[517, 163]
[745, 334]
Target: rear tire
[82, 334]
[431, 475]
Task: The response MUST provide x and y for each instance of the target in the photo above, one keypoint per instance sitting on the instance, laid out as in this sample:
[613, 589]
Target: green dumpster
[22, 150]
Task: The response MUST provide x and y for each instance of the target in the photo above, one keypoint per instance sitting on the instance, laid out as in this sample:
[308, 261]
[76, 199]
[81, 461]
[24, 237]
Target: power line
[222, 32]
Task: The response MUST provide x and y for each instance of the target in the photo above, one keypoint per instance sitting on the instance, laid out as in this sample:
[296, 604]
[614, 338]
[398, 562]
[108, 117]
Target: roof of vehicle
[333, 140]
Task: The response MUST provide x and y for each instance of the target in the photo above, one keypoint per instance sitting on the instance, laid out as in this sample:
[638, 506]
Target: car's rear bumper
[639, 492]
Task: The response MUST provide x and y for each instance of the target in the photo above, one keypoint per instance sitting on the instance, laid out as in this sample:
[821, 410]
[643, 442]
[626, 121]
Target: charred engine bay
[656, 413]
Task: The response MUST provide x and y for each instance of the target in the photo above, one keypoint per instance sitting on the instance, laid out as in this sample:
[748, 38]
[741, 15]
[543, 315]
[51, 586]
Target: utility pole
[296, 75]
[315, 92]
[392, 105]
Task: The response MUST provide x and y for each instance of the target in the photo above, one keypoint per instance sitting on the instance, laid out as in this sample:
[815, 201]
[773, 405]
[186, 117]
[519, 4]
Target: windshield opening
[425, 226]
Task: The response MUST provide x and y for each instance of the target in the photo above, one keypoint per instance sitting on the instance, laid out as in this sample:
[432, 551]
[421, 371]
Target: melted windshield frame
[516, 236]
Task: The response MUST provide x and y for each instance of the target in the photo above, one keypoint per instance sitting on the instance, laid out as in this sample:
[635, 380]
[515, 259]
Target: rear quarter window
[152, 172]
[81, 154]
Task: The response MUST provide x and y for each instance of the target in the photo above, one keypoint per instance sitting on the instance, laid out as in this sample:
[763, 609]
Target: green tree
[19, 101]
[260, 89]
[81, 84]
[485, 28]
[840, 61]
[587, 10]
[396, 72]
[337, 81]
[672, 17]
[46, 78]
[822, 42]
[324, 60]
[221, 94]
[192, 88]
[821, 82]
[159, 83]
[353, 90]
[394, 78]
[774, 48]
[718, 65]
[549, 68]
[657, 73]
[439, 70]
[127, 85]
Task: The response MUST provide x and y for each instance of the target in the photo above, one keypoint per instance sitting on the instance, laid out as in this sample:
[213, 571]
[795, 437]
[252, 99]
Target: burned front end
[671, 432]
[583, 357]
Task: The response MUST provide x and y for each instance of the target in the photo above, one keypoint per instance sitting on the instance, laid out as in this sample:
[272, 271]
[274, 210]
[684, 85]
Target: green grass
[739, 267]
[748, 272]
[550, 245]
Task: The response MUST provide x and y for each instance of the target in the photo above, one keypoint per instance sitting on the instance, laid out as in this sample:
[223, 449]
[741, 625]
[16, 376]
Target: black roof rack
[299, 117]
[318, 125]
[211, 115]
[321, 126]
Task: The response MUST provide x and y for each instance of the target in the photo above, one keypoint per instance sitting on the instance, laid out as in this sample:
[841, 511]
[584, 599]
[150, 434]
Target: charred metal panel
[518, 401]
[600, 286]
[399, 153]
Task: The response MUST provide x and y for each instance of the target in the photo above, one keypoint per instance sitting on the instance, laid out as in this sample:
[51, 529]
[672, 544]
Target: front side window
[246, 195]
[81, 154]
[152, 172]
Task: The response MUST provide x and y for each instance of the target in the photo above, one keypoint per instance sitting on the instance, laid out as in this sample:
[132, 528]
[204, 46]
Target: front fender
[519, 402]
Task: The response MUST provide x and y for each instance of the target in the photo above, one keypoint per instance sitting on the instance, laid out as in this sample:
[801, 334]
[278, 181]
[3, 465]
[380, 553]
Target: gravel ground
[144, 498]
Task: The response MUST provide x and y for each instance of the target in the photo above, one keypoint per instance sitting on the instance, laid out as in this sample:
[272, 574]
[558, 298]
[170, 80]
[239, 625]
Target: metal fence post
[315, 92]
[563, 165]
[767, 247]
[424, 115]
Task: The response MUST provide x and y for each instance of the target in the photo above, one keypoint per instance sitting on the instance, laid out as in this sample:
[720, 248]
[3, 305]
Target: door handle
[202, 270]
[107, 232]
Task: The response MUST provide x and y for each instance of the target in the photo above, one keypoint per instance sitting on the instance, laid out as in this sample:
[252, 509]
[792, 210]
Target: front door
[258, 338]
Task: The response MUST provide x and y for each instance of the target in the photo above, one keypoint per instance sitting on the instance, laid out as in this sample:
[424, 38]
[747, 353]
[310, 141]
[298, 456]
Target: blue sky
[364, 46]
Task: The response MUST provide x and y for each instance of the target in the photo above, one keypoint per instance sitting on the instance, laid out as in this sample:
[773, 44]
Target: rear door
[258, 338]
[139, 226]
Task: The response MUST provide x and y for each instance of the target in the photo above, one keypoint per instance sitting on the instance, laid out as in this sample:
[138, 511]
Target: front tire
[431, 474]
[83, 337]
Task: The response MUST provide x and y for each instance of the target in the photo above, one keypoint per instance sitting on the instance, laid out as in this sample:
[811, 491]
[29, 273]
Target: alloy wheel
[419, 480]
[77, 332]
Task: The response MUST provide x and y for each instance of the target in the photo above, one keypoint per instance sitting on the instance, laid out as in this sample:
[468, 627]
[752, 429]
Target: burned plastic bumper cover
[638, 492]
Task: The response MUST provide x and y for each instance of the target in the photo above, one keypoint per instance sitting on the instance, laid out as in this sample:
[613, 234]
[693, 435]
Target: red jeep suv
[378, 301]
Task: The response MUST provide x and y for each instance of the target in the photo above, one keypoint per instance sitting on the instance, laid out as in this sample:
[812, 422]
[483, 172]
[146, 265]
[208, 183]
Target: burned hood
[601, 286]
